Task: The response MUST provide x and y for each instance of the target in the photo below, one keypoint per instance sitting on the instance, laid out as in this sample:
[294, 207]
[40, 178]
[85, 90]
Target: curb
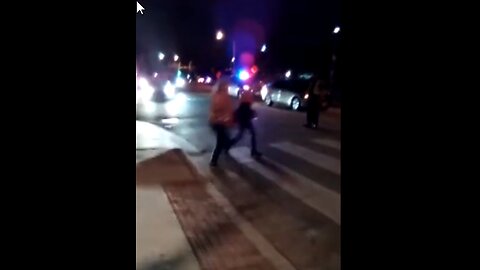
[161, 139]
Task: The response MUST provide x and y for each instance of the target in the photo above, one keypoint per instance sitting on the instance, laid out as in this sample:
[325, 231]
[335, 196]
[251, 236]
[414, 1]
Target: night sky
[298, 33]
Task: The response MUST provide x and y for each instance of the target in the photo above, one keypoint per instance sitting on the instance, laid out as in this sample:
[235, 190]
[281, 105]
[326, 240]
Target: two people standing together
[223, 116]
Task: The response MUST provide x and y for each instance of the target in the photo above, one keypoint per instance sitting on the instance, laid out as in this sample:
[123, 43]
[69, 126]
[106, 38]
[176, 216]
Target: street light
[175, 57]
[288, 74]
[336, 30]
[161, 56]
[219, 35]
[264, 48]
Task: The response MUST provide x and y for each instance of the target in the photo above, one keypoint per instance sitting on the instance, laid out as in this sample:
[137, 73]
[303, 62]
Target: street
[291, 196]
[187, 116]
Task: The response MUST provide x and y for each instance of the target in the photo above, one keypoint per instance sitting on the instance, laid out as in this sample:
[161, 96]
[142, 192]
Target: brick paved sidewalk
[216, 241]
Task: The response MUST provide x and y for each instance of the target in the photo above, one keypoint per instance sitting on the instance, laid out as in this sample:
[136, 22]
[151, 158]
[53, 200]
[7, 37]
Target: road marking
[318, 159]
[258, 240]
[324, 200]
[328, 142]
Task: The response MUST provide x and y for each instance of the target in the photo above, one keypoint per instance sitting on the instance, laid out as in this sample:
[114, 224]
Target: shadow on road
[306, 237]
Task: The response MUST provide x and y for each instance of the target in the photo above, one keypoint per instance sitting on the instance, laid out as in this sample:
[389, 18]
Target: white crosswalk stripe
[328, 142]
[318, 159]
[306, 190]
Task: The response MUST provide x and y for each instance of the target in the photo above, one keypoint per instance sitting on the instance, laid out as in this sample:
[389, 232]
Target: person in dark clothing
[314, 103]
[244, 115]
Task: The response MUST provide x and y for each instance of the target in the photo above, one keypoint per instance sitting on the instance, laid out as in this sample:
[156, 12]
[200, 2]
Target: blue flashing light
[244, 75]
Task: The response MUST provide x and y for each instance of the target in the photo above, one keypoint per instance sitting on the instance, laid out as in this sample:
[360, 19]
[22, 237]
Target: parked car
[292, 93]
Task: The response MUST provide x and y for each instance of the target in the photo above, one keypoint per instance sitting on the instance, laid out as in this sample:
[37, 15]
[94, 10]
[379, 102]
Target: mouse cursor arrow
[140, 8]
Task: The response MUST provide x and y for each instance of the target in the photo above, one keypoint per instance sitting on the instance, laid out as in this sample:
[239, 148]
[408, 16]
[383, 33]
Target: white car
[234, 90]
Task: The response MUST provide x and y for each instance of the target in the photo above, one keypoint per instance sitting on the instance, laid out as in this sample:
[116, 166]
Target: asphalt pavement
[187, 116]
[291, 196]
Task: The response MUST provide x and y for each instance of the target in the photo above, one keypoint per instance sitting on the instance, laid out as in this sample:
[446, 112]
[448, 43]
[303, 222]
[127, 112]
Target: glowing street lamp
[219, 35]
[288, 74]
[264, 48]
[161, 56]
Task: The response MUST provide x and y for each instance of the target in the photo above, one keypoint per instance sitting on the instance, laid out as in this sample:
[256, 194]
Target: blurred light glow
[264, 92]
[208, 80]
[176, 57]
[169, 90]
[306, 76]
[306, 96]
[170, 121]
[146, 93]
[336, 30]
[181, 97]
[161, 56]
[233, 59]
[244, 75]
[288, 74]
[219, 35]
[155, 74]
[188, 76]
[142, 82]
[264, 48]
[201, 80]
[149, 107]
[145, 90]
[180, 82]
[176, 105]
[246, 87]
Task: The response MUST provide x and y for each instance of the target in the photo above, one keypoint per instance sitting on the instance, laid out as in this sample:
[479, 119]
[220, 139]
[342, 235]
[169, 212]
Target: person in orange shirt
[221, 118]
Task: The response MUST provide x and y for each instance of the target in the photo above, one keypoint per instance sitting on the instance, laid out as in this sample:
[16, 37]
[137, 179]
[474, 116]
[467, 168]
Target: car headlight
[264, 92]
[169, 90]
[180, 82]
[145, 89]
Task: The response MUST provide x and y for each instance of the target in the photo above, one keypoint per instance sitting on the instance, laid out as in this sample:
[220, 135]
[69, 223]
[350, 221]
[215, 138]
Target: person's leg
[309, 116]
[316, 117]
[237, 137]
[222, 138]
[254, 151]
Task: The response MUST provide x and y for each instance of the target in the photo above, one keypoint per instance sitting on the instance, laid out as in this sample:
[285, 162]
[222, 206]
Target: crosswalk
[298, 183]
[286, 203]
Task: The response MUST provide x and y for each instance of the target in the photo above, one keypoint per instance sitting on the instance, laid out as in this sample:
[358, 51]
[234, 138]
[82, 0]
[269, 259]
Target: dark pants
[251, 129]
[223, 141]
[312, 116]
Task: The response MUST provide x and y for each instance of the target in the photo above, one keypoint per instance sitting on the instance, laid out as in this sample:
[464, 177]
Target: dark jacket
[244, 114]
